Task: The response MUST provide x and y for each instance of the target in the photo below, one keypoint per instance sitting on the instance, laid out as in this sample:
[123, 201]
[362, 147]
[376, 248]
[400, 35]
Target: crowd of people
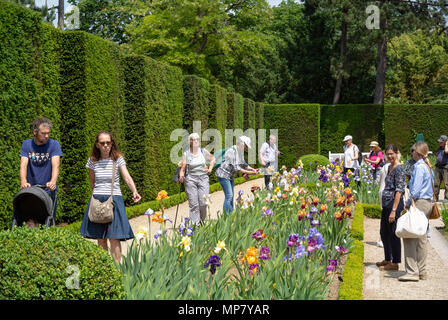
[396, 195]
[40, 163]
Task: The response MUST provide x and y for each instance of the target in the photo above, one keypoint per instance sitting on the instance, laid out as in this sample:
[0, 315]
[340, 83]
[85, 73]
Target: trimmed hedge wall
[196, 102]
[235, 111]
[351, 287]
[91, 102]
[218, 109]
[29, 82]
[402, 123]
[259, 109]
[153, 108]
[363, 122]
[250, 120]
[298, 129]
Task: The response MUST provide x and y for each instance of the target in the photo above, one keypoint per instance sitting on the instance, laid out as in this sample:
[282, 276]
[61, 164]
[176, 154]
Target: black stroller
[33, 203]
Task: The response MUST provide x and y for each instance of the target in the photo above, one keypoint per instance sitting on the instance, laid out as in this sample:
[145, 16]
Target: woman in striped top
[105, 154]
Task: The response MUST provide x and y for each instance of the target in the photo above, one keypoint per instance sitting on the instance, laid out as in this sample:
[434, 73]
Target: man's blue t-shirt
[39, 164]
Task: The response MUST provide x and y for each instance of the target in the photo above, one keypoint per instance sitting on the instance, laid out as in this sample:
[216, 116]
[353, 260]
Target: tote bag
[413, 224]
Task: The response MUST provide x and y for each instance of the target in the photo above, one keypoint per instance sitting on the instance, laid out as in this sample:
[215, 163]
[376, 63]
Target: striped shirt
[232, 164]
[103, 175]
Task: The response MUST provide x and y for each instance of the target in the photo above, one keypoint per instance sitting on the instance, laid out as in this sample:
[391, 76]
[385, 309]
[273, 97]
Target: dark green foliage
[91, 102]
[250, 120]
[196, 102]
[363, 122]
[36, 265]
[218, 109]
[235, 111]
[259, 112]
[153, 108]
[372, 211]
[29, 87]
[298, 130]
[311, 161]
[402, 123]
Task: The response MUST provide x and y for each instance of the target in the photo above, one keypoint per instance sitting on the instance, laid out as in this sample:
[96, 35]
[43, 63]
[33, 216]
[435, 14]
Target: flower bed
[284, 244]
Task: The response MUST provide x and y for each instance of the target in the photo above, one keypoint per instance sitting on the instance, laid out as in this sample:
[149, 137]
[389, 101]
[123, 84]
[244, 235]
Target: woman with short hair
[421, 193]
[194, 173]
[105, 154]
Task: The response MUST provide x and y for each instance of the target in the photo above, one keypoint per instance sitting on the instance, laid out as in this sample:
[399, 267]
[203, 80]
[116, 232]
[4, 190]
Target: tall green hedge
[153, 108]
[29, 82]
[235, 111]
[196, 102]
[218, 109]
[402, 123]
[250, 120]
[259, 110]
[363, 122]
[91, 102]
[298, 129]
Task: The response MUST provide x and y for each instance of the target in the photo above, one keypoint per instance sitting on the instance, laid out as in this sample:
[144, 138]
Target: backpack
[219, 156]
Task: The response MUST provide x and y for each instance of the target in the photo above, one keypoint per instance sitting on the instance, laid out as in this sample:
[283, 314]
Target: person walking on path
[232, 165]
[106, 154]
[268, 158]
[441, 170]
[40, 159]
[351, 157]
[421, 192]
[194, 173]
[375, 158]
[392, 204]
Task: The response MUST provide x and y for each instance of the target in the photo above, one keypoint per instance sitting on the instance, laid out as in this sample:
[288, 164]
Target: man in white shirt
[268, 158]
[351, 155]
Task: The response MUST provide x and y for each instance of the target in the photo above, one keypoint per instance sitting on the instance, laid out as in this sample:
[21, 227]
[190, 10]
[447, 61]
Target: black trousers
[267, 178]
[391, 243]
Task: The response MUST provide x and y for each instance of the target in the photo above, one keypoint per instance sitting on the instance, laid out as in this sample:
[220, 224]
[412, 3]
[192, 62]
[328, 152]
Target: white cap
[347, 138]
[246, 140]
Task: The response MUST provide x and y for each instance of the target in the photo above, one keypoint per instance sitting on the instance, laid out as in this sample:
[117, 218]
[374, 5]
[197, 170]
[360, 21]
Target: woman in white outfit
[194, 173]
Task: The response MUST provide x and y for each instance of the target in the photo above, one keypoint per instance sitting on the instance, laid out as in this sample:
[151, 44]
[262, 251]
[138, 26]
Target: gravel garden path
[384, 285]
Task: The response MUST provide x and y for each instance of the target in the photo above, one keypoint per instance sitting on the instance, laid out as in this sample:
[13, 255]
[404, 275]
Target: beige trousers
[415, 250]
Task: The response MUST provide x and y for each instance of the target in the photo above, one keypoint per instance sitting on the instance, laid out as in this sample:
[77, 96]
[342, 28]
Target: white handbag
[413, 224]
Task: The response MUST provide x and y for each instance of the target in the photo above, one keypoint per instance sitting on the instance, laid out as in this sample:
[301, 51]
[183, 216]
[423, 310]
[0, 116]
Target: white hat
[347, 138]
[246, 140]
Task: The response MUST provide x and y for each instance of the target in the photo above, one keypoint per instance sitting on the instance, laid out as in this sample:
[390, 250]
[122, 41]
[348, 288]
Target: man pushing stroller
[40, 159]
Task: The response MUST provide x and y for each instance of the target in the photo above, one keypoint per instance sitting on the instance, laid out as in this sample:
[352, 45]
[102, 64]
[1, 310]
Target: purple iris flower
[293, 240]
[315, 223]
[346, 180]
[268, 212]
[341, 249]
[214, 262]
[332, 264]
[253, 267]
[264, 253]
[257, 235]
[300, 252]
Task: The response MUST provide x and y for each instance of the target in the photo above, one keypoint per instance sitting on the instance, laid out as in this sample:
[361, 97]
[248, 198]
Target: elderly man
[268, 158]
[441, 169]
[40, 160]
